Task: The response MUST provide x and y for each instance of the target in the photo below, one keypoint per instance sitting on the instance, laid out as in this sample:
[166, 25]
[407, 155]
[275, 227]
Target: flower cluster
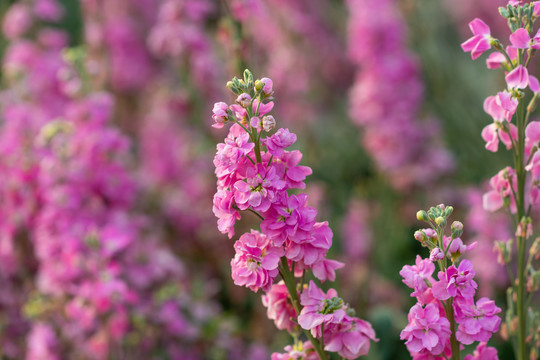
[377, 47]
[448, 301]
[515, 188]
[255, 173]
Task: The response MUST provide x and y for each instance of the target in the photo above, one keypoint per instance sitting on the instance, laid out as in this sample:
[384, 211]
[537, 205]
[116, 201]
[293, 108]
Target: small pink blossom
[456, 247]
[244, 100]
[456, 282]
[268, 86]
[496, 59]
[436, 254]
[255, 264]
[320, 308]
[220, 114]
[259, 190]
[520, 39]
[477, 322]
[517, 78]
[280, 308]
[427, 330]
[326, 269]
[279, 141]
[483, 352]
[480, 41]
[493, 132]
[350, 339]
[418, 277]
[501, 188]
[302, 351]
[224, 211]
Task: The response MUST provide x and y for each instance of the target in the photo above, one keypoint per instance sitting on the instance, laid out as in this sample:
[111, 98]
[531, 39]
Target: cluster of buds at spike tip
[253, 102]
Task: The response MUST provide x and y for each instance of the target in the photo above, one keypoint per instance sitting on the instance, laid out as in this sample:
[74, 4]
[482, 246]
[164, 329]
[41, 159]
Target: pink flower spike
[481, 41]
[518, 78]
[521, 39]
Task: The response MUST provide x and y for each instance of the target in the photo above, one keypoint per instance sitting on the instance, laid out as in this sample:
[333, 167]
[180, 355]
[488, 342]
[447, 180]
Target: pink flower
[290, 219]
[293, 173]
[17, 20]
[350, 339]
[517, 78]
[418, 276]
[255, 264]
[231, 156]
[481, 40]
[427, 330]
[493, 132]
[279, 141]
[532, 136]
[302, 351]
[436, 254]
[496, 59]
[280, 308]
[268, 86]
[483, 352]
[456, 282]
[501, 185]
[521, 39]
[320, 308]
[477, 322]
[326, 269]
[224, 211]
[457, 247]
[220, 114]
[244, 100]
[260, 189]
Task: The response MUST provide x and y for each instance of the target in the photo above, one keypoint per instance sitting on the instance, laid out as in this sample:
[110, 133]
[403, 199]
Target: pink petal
[492, 201]
[520, 38]
[517, 78]
[534, 85]
[478, 27]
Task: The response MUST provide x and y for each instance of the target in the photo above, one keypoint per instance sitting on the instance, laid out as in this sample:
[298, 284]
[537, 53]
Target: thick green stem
[290, 283]
[453, 341]
[520, 202]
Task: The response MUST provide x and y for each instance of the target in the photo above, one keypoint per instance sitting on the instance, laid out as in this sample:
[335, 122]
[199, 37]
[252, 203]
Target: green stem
[290, 283]
[453, 341]
[520, 172]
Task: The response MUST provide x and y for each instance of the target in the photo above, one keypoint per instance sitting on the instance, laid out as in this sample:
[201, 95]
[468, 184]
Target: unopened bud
[440, 221]
[534, 251]
[436, 254]
[268, 123]
[420, 236]
[259, 85]
[457, 229]
[422, 215]
[244, 100]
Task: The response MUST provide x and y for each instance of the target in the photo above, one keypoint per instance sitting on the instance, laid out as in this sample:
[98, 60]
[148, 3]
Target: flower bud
[420, 236]
[244, 100]
[436, 254]
[268, 123]
[457, 229]
[268, 86]
[259, 85]
[440, 221]
[255, 122]
[422, 216]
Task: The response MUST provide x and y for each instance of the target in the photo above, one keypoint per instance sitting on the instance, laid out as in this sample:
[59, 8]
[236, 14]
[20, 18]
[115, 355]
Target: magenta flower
[326, 269]
[418, 276]
[517, 78]
[224, 211]
[480, 41]
[436, 254]
[260, 189]
[520, 39]
[255, 264]
[293, 173]
[427, 330]
[280, 308]
[231, 156]
[477, 322]
[483, 352]
[302, 351]
[496, 59]
[493, 132]
[501, 189]
[320, 308]
[280, 140]
[290, 219]
[456, 282]
[350, 339]
[220, 114]
[457, 247]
